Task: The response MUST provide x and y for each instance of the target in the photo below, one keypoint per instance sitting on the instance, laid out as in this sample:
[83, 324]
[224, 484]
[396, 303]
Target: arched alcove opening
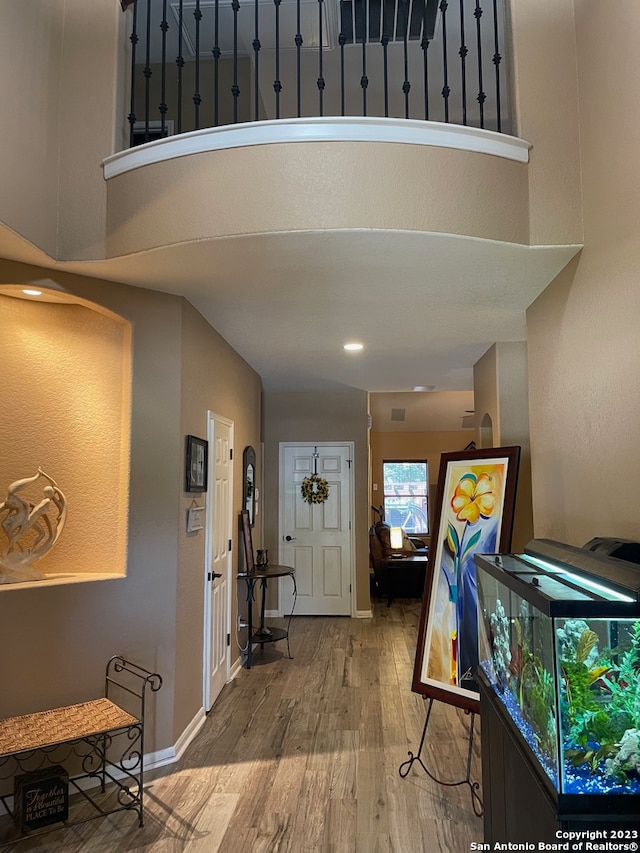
[486, 431]
[66, 368]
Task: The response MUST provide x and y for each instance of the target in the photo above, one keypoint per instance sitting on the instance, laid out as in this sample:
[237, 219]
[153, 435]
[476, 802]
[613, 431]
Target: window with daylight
[406, 494]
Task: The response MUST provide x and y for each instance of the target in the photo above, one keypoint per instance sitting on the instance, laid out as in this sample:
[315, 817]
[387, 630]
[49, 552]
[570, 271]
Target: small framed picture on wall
[196, 464]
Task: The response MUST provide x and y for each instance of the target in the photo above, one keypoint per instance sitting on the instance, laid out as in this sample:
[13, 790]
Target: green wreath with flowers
[314, 489]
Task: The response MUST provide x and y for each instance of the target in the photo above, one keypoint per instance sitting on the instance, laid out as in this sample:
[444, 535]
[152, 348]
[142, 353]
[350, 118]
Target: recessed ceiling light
[29, 292]
[353, 347]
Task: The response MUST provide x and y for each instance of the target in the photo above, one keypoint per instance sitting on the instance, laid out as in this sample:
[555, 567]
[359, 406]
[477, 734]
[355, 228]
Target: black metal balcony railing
[207, 63]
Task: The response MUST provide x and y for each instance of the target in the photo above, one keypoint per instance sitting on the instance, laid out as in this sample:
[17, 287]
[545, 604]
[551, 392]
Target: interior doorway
[316, 538]
[218, 538]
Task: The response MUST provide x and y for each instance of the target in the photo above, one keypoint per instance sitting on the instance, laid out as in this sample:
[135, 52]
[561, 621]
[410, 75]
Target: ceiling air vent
[370, 20]
[397, 414]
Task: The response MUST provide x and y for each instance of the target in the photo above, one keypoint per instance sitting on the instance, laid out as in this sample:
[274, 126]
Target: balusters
[163, 108]
[147, 74]
[406, 86]
[197, 99]
[133, 38]
[387, 39]
[235, 89]
[463, 64]
[216, 63]
[342, 40]
[446, 91]
[364, 80]
[320, 66]
[384, 41]
[424, 44]
[481, 93]
[497, 59]
[180, 65]
[299, 42]
[256, 54]
[277, 85]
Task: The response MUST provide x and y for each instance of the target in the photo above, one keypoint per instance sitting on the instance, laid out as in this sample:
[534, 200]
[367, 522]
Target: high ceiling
[426, 307]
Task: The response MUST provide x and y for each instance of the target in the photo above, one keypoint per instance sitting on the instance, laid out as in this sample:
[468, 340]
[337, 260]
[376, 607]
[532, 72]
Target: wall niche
[66, 387]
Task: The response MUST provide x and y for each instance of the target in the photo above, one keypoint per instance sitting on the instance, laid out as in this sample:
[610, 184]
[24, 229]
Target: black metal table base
[474, 787]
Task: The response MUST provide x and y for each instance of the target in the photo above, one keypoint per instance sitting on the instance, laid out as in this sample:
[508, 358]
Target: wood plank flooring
[302, 756]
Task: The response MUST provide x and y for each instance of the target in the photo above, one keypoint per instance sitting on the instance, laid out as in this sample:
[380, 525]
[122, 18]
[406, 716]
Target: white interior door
[218, 568]
[316, 538]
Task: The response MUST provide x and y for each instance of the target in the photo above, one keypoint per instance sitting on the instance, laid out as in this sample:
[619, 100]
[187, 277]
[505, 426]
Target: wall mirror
[249, 480]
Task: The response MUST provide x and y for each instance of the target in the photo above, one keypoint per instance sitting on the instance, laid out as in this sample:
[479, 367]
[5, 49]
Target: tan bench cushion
[46, 728]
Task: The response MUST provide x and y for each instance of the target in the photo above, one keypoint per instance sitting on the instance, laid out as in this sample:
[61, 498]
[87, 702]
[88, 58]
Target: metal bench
[100, 739]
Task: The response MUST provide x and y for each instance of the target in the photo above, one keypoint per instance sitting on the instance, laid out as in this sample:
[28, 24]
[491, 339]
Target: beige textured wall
[59, 123]
[30, 48]
[473, 194]
[318, 417]
[66, 386]
[61, 637]
[545, 101]
[500, 390]
[214, 378]
[584, 346]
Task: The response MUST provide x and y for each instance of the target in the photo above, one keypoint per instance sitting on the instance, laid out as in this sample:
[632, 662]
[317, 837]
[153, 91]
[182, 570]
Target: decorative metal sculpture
[29, 530]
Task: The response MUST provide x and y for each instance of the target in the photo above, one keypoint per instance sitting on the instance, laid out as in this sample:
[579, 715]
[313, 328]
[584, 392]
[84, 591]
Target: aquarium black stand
[474, 787]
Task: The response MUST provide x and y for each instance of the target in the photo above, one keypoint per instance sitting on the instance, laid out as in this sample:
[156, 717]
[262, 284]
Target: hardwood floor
[302, 756]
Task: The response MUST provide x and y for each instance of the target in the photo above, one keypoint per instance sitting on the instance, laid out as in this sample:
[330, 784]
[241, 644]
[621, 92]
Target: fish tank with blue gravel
[559, 648]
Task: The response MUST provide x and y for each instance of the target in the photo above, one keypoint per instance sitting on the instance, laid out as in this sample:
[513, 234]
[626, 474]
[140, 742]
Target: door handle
[290, 538]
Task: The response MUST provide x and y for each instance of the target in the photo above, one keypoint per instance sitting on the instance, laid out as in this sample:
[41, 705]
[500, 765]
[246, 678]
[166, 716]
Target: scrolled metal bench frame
[91, 731]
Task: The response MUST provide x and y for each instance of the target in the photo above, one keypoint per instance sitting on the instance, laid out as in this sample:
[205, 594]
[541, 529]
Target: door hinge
[228, 639]
[229, 544]
[349, 462]
[208, 576]
[231, 453]
[349, 587]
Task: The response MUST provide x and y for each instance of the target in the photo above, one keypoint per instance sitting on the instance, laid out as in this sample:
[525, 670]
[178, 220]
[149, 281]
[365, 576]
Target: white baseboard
[363, 614]
[173, 753]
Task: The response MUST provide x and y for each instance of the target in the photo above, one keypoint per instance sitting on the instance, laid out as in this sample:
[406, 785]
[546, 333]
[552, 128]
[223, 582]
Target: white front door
[218, 562]
[315, 538]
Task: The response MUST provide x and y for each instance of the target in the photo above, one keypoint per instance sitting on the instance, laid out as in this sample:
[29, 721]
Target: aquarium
[559, 648]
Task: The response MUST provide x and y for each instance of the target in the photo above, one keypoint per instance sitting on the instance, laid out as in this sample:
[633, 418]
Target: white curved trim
[328, 129]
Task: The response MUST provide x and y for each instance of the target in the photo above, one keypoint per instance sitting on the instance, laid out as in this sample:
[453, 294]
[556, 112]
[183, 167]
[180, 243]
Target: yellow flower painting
[472, 493]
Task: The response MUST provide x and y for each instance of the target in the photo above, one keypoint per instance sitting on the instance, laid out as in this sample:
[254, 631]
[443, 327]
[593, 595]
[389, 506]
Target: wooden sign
[41, 798]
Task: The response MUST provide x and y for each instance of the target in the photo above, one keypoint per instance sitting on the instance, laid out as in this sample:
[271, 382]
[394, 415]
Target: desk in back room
[405, 577]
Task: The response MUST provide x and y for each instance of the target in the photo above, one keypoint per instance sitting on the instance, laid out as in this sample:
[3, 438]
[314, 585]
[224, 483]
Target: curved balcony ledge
[381, 174]
[327, 129]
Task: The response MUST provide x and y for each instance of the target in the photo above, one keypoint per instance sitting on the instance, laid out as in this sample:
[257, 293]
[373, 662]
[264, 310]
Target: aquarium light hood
[622, 577]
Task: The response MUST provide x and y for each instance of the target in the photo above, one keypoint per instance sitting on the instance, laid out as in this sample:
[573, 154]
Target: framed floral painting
[474, 514]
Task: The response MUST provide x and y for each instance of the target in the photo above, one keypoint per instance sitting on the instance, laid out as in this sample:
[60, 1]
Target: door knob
[290, 538]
